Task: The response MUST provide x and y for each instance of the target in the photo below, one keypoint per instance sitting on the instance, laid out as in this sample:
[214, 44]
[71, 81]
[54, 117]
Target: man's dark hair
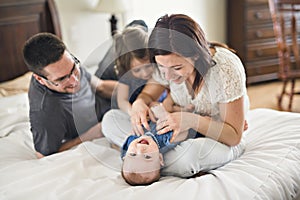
[41, 50]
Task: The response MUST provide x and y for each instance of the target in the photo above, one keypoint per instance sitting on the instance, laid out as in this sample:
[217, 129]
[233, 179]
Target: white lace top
[224, 82]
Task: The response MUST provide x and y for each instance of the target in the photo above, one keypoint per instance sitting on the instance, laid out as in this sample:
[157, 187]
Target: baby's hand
[189, 108]
[159, 111]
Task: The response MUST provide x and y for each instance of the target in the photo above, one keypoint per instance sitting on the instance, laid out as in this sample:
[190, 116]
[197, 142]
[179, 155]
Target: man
[61, 96]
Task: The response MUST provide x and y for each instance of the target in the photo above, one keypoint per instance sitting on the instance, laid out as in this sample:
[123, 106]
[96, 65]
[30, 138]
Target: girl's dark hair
[41, 50]
[129, 44]
[181, 35]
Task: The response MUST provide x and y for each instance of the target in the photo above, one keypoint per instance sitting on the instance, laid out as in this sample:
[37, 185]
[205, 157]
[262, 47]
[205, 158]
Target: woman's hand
[139, 113]
[178, 122]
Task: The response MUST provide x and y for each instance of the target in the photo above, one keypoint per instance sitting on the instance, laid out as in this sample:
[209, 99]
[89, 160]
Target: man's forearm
[106, 87]
[69, 144]
[93, 133]
[103, 87]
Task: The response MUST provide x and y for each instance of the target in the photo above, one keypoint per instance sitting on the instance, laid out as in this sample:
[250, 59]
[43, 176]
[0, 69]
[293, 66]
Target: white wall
[87, 33]
[210, 14]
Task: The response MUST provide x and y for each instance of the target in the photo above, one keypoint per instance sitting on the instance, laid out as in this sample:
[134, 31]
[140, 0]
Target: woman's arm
[228, 131]
[122, 98]
[170, 106]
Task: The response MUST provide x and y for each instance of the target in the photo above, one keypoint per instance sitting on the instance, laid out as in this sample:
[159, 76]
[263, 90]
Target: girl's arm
[122, 98]
[140, 107]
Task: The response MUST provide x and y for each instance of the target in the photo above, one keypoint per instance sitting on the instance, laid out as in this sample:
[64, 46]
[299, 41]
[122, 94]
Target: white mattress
[269, 168]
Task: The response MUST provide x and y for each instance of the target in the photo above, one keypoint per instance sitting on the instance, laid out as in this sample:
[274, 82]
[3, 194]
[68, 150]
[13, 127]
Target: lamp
[113, 7]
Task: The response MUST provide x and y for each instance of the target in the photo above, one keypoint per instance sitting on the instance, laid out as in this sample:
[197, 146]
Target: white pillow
[14, 103]
[15, 86]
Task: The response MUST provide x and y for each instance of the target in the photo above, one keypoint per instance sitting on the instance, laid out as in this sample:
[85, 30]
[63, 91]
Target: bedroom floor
[265, 95]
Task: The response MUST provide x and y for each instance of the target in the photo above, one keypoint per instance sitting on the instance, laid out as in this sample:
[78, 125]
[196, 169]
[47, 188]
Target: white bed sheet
[269, 168]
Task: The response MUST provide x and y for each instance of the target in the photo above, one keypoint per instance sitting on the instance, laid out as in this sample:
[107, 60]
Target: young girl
[134, 70]
[132, 65]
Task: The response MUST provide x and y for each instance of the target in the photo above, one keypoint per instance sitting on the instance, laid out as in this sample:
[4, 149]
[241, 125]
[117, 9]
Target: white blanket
[269, 168]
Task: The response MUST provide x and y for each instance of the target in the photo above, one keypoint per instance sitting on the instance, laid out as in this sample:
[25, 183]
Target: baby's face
[142, 145]
[142, 156]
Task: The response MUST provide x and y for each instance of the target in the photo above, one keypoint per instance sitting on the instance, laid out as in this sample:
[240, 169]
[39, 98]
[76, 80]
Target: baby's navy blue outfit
[162, 141]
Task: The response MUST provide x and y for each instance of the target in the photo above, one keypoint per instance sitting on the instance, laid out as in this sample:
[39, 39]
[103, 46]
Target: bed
[269, 168]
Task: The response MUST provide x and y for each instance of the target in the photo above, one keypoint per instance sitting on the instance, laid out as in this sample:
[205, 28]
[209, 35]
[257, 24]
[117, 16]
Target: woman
[210, 77]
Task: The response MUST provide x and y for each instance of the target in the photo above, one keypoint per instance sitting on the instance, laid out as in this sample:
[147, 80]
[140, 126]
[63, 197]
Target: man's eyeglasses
[65, 79]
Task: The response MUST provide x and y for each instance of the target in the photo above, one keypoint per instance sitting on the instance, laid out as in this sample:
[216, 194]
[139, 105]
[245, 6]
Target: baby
[142, 155]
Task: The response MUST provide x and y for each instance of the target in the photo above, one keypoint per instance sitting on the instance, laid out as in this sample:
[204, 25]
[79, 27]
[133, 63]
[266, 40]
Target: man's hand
[39, 155]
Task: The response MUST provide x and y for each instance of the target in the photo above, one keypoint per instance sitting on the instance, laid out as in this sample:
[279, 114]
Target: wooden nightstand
[250, 33]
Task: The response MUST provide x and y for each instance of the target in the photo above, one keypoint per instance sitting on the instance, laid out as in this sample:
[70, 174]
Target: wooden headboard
[19, 20]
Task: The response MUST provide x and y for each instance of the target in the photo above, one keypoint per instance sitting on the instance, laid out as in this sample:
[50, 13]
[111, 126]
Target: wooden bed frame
[19, 20]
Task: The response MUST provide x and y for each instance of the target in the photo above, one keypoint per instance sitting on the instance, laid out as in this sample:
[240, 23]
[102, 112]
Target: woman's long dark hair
[181, 35]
